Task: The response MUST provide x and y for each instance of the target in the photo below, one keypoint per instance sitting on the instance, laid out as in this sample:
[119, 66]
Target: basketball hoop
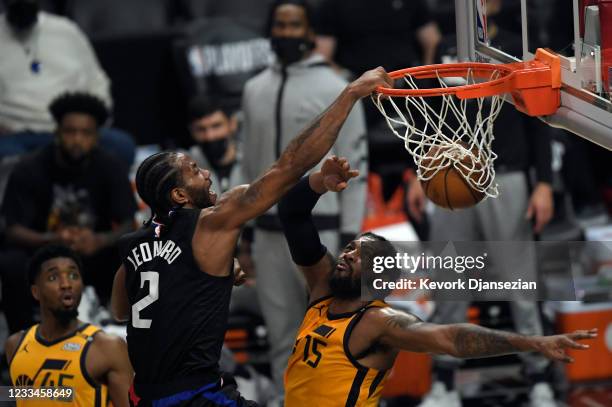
[457, 133]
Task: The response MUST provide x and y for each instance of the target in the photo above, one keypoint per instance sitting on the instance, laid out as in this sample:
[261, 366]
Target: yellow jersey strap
[88, 332]
[87, 335]
[29, 333]
[376, 304]
[351, 326]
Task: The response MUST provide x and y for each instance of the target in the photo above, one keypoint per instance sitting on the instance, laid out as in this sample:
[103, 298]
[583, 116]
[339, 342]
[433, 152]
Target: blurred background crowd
[89, 88]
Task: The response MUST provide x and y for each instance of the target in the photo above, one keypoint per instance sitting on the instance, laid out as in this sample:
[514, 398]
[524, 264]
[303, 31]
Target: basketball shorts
[211, 395]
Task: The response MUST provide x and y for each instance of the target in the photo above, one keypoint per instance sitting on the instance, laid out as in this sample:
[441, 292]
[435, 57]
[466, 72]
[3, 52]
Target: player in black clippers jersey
[175, 282]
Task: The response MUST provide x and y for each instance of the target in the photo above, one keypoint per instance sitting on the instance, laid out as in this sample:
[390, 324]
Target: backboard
[579, 31]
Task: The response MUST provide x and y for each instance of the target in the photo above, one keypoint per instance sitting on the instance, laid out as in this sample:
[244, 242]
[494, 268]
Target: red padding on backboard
[584, 4]
[605, 22]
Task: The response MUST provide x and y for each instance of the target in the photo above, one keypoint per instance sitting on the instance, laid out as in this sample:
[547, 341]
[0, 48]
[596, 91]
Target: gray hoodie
[305, 89]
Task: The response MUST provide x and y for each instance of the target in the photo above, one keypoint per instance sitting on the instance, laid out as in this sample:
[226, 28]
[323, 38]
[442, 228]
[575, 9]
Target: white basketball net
[462, 136]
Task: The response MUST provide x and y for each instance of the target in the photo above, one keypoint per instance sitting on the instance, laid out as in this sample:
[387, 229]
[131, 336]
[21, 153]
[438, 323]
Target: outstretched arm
[294, 210]
[304, 152]
[407, 332]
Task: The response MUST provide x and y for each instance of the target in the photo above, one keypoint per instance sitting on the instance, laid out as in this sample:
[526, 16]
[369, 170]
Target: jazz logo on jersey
[48, 375]
[481, 21]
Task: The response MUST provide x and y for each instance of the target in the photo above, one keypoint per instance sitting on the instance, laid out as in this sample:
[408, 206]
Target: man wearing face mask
[277, 104]
[69, 192]
[44, 55]
[212, 129]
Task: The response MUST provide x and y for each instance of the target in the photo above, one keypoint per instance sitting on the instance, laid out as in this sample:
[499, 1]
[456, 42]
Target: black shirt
[179, 313]
[522, 142]
[373, 33]
[44, 196]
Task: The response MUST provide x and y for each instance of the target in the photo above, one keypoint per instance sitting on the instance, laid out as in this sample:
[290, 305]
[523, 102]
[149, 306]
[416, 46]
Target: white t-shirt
[52, 58]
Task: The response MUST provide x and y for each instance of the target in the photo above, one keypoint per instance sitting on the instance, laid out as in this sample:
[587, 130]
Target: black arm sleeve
[302, 236]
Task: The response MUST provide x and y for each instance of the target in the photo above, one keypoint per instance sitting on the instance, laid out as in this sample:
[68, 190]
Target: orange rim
[541, 73]
[477, 70]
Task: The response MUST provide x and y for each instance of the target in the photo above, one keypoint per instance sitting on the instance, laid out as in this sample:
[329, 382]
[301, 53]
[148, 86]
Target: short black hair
[79, 102]
[156, 176]
[383, 248]
[300, 3]
[203, 105]
[379, 247]
[49, 252]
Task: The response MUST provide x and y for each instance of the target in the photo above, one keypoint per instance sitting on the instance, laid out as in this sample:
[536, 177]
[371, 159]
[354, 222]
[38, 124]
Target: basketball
[449, 187]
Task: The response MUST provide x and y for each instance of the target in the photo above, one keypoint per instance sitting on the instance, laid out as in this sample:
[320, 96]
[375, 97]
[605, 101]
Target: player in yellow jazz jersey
[345, 346]
[62, 351]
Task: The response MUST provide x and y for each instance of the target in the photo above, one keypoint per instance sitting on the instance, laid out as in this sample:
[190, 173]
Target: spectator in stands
[94, 364]
[212, 129]
[44, 55]
[277, 104]
[71, 192]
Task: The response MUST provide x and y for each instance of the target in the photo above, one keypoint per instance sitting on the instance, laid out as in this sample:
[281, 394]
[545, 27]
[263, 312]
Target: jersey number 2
[153, 278]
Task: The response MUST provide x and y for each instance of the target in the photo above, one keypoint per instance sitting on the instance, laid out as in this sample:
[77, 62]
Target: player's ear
[34, 291]
[179, 196]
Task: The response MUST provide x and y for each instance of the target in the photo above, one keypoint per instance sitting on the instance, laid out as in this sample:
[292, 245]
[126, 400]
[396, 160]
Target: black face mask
[290, 49]
[215, 151]
[22, 15]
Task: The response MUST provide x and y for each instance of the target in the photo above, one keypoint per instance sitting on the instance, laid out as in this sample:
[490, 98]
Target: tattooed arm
[407, 332]
[304, 152]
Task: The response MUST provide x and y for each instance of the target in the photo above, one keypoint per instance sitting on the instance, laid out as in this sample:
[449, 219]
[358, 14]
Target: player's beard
[344, 287]
[200, 197]
[65, 316]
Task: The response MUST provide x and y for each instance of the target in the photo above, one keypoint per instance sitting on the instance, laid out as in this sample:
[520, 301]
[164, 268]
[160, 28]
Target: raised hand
[369, 82]
[553, 347]
[240, 276]
[541, 206]
[333, 175]
[336, 172]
